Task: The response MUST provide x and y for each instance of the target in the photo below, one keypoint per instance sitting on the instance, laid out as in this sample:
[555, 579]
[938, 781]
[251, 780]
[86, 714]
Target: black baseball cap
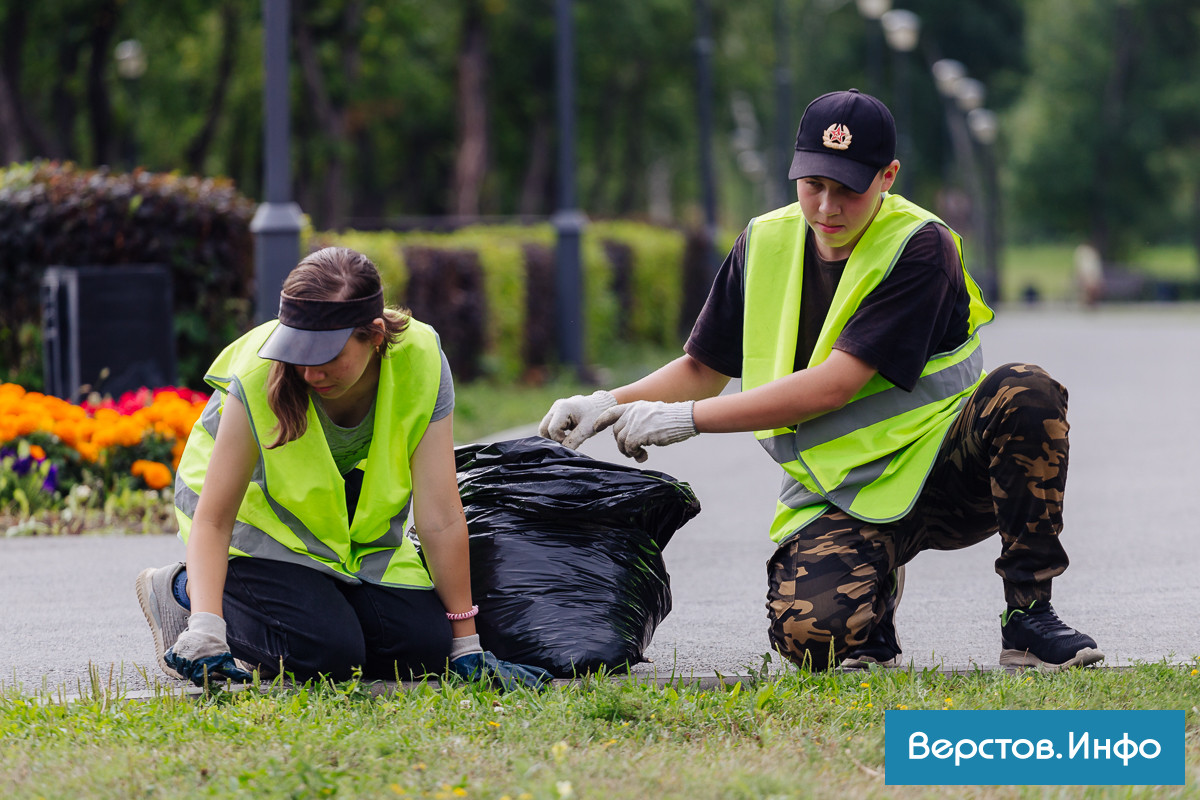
[312, 332]
[845, 136]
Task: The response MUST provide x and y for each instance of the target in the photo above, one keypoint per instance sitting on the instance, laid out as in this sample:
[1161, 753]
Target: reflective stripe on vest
[869, 458]
[295, 505]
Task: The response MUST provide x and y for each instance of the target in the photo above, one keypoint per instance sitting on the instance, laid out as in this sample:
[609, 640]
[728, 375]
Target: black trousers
[313, 624]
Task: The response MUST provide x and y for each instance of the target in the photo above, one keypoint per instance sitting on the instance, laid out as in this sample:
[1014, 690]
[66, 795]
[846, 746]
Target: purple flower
[51, 483]
[21, 465]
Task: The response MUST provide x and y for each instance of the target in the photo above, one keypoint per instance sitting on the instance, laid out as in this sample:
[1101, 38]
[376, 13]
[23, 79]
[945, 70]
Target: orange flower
[89, 451]
[177, 452]
[92, 428]
[37, 452]
[11, 390]
[155, 474]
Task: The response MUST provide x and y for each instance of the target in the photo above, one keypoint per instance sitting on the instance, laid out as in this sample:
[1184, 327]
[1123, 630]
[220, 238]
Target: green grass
[1050, 268]
[795, 735]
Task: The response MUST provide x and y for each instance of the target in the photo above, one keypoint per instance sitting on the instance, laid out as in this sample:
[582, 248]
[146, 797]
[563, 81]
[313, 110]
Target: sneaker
[167, 618]
[882, 648]
[1035, 637]
[865, 657]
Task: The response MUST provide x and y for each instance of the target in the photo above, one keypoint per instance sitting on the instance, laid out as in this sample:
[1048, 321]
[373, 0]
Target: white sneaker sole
[866, 662]
[1023, 659]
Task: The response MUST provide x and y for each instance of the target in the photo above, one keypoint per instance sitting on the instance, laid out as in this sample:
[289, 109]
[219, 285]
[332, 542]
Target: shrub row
[55, 213]
[489, 290]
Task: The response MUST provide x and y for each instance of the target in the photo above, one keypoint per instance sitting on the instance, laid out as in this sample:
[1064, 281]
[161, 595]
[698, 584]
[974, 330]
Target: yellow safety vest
[295, 505]
[871, 457]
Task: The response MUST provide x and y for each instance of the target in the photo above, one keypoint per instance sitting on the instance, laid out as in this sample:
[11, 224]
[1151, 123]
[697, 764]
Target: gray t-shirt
[350, 445]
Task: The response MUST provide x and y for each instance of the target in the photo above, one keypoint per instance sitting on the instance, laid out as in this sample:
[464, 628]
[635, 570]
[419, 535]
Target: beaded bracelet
[463, 615]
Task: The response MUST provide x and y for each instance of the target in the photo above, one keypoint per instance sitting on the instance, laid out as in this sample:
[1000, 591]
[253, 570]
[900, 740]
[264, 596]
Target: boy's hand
[570, 420]
[646, 422]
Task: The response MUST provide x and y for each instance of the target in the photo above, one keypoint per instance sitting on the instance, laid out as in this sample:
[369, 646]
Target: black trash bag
[566, 553]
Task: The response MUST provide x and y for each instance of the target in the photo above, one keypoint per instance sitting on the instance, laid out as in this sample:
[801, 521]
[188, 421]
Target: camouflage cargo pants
[1002, 467]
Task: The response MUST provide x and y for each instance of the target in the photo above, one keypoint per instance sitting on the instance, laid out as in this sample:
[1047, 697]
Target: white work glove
[645, 422]
[571, 420]
[464, 646]
[201, 653]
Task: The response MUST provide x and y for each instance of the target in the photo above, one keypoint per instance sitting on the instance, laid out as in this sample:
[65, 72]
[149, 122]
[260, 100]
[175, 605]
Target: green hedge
[655, 299]
[488, 289]
[517, 280]
[55, 213]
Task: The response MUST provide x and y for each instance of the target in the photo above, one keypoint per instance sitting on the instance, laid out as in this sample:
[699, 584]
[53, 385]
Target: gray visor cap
[304, 348]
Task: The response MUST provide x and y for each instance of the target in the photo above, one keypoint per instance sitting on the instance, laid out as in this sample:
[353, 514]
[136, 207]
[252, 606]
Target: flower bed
[98, 465]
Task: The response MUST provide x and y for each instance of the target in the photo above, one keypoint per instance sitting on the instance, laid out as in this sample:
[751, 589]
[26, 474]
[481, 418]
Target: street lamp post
[705, 113]
[779, 187]
[708, 191]
[277, 222]
[873, 10]
[984, 128]
[902, 28]
[969, 94]
[961, 95]
[568, 220]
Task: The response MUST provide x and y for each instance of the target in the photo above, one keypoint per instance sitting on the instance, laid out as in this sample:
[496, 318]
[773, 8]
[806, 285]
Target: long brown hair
[333, 273]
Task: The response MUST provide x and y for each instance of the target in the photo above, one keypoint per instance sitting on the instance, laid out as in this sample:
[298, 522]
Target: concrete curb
[186, 691]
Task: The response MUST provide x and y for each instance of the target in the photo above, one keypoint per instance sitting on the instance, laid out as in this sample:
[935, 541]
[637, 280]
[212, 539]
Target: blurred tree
[470, 164]
[401, 110]
[411, 108]
[1106, 122]
[633, 101]
[520, 96]
[328, 37]
[59, 81]
[231, 19]
[1173, 28]
[988, 37]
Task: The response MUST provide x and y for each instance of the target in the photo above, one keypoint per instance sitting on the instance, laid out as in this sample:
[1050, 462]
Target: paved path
[1132, 532]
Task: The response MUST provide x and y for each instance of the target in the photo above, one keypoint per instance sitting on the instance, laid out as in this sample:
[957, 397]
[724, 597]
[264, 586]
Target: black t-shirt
[919, 309]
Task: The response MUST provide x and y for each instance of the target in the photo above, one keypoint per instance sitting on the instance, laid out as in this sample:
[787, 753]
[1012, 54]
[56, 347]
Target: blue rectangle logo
[1034, 748]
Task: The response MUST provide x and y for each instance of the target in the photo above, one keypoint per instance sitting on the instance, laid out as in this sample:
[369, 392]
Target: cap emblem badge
[837, 137]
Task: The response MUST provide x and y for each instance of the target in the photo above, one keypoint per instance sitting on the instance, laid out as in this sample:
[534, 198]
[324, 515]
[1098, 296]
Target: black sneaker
[1036, 637]
[882, 647]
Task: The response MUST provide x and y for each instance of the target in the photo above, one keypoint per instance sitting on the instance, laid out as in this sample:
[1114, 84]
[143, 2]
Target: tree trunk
[606, 147]
[13, 32]
[1196, 224]
[1114, 121]
[98, 101]
[536, 196]
[470, 163]
[198, 147]
[64, 106]
[20, 134]
[331, 115]
[635, 167]
[11, 148]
